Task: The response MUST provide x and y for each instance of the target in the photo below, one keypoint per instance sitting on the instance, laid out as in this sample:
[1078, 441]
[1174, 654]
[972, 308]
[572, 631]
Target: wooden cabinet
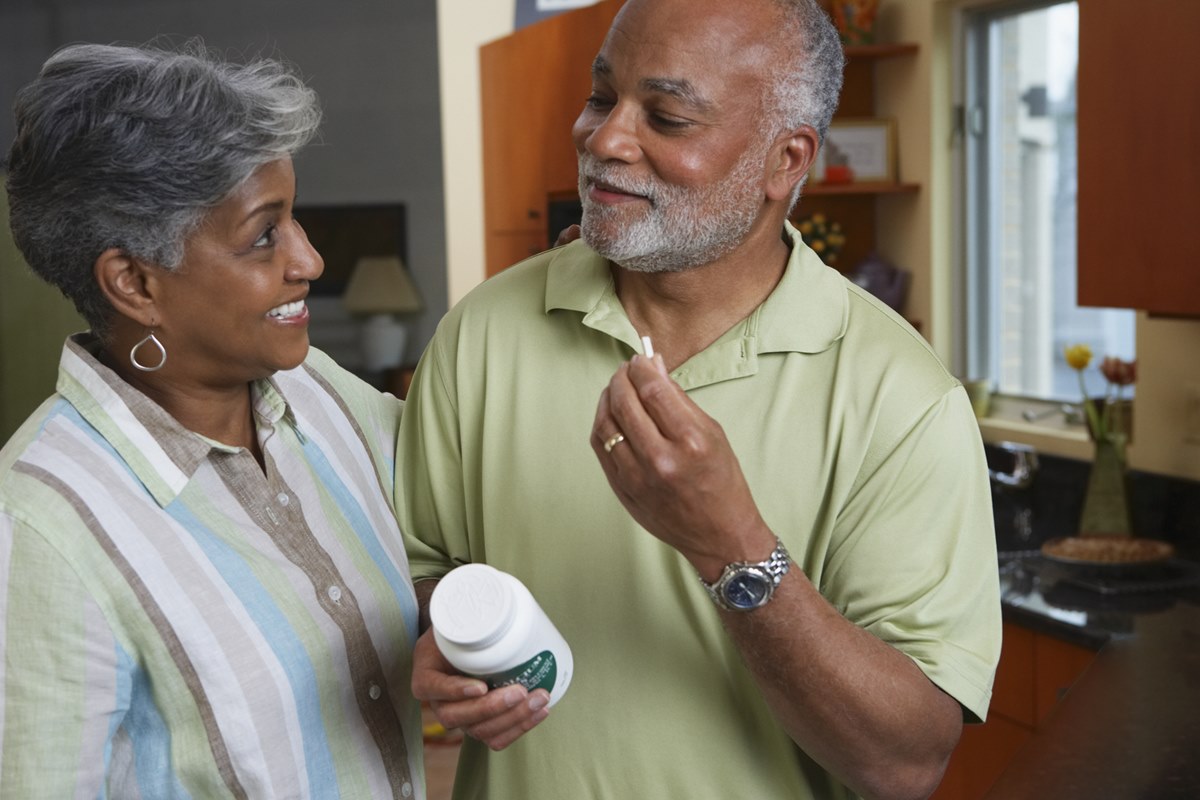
[533, 85]
[1035, 670]
[854, 206]
[1139, 244]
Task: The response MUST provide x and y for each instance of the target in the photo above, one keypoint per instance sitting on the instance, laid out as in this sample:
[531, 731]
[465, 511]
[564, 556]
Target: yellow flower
[824, 236]
[1078, 356]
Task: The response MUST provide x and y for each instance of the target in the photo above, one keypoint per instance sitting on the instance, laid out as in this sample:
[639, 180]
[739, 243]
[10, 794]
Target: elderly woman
[204, 593]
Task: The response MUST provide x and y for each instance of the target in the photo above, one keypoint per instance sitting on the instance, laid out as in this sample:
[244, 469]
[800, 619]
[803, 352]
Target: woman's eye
[267, 239]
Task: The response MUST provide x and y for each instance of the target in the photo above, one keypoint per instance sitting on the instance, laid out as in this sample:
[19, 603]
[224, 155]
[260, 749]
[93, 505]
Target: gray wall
[373, 63]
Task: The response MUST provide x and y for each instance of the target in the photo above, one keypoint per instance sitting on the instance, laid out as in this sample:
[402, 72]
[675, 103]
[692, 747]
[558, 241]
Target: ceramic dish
[1105, 552]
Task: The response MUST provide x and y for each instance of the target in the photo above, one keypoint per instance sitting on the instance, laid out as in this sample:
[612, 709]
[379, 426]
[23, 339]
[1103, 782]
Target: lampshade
[381, 285]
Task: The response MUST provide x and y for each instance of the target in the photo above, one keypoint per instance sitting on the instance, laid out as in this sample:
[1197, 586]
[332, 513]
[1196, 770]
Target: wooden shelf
[882, 50]
[855, 206]
[873, 187]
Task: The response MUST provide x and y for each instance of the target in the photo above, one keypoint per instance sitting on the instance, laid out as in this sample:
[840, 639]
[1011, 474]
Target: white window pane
[1022, 195]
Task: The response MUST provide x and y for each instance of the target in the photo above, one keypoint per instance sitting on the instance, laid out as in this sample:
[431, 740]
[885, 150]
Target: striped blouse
[178, 622]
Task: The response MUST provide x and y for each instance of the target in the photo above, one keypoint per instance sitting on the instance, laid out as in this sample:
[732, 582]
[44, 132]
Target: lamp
[381, 288]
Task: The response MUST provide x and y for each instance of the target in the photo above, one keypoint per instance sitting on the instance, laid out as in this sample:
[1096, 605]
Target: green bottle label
[539, 672]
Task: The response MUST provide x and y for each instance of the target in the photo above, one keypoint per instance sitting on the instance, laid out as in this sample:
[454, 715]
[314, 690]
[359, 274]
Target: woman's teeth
[286, 310]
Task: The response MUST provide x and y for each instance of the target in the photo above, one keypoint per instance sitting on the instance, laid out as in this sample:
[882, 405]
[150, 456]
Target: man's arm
[496, 718]
[861, 708]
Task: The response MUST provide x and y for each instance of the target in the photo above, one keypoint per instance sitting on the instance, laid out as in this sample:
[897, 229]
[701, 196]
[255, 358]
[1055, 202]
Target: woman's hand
[497, 718]
[567, 235]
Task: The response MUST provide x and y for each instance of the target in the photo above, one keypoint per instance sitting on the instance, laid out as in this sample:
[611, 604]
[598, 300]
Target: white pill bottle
[487, 624]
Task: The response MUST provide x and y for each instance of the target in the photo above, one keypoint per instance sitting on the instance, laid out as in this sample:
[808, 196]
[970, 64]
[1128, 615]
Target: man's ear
[790, 157]
[129, 285]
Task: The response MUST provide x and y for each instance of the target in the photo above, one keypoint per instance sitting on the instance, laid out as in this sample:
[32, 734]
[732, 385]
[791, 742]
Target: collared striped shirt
[179, 621]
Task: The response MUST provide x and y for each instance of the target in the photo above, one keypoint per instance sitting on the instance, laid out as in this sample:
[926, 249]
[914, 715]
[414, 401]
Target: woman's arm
[63, 689]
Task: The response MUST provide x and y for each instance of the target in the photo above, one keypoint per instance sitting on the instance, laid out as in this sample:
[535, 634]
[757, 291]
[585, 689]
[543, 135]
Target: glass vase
[1106, 503]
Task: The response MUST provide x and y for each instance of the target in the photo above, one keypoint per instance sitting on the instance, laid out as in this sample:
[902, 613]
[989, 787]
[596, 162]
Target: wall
[373, 62]
[476, 22]
[36, 319]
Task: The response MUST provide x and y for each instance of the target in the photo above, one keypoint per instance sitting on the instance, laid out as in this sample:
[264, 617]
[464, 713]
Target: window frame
[975, 348]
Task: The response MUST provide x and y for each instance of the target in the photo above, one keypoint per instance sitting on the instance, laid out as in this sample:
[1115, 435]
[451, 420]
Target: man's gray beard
[683, 228]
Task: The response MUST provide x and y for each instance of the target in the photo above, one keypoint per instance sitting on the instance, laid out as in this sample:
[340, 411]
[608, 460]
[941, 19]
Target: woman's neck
[221, 413]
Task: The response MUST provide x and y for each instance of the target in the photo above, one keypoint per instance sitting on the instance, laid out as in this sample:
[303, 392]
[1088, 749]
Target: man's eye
[596, 101]
[667, 122]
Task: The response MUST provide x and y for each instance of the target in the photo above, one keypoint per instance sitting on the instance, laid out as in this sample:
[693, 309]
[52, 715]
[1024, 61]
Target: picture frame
[867, 146]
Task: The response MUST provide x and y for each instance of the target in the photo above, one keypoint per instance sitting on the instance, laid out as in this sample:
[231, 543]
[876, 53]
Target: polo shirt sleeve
[65, 684]
[915, 562]
[429, 469]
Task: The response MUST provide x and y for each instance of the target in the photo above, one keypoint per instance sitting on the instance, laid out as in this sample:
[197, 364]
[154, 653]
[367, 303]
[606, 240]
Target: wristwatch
[747, 585]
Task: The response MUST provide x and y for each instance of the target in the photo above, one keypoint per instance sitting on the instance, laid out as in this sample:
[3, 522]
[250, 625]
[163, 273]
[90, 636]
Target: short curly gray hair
[806, 88]
[130, 147]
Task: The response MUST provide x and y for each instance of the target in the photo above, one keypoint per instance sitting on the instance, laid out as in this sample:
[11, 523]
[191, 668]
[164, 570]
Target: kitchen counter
[1128, 727]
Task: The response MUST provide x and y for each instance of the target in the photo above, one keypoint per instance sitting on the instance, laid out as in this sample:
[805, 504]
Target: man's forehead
[682, 88]
[689, 41]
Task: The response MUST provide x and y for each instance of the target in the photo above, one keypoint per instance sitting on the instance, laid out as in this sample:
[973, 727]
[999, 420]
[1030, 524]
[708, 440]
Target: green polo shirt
[861, 451]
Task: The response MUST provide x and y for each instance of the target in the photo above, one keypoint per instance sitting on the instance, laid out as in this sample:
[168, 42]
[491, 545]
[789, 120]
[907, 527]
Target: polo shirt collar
[160, 452]
[806, 313]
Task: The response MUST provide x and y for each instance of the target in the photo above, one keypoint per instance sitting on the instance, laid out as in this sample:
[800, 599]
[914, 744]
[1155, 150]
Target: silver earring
[162, 354]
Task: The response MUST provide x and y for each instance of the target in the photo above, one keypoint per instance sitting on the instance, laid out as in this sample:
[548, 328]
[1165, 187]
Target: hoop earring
[162, 353]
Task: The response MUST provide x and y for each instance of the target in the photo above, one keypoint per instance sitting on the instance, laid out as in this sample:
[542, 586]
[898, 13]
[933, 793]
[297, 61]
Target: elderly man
[780, 579]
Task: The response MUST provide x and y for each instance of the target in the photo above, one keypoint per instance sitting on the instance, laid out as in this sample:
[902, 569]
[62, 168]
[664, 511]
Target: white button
[406, 789]
[335, 594]
[283, 498]
[374, 691]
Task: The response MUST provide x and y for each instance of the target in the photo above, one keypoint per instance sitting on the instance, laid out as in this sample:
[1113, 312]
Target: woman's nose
[305, 263]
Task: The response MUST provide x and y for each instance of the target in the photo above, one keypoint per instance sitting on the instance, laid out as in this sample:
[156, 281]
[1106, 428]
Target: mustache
[592, 170]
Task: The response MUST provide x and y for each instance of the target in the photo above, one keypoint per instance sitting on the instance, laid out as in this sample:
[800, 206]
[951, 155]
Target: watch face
[748, 590]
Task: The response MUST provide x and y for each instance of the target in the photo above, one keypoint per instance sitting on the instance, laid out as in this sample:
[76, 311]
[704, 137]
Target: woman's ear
[129, 285]
[792, 155]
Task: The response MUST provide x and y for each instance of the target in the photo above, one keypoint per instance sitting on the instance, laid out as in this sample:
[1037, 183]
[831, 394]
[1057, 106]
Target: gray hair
[130, 147]
[806, 89]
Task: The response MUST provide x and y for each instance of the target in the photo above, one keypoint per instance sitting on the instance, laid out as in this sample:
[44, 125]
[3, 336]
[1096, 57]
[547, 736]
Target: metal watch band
[771, 571]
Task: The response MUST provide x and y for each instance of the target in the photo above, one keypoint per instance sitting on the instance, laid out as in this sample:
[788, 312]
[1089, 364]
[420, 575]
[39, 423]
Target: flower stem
[1098, 427]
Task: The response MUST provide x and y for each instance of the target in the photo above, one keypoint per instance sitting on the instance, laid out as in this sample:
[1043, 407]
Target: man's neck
[684, 312]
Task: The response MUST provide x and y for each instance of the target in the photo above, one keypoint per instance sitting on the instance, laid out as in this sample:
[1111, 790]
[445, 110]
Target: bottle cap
[472, 605]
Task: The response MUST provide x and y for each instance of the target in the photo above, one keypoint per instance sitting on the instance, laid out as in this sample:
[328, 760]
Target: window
[1019, 183]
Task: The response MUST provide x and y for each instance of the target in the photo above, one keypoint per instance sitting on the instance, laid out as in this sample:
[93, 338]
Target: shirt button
[335, 594]
[283, 498]
[406, 789]
[374, 691]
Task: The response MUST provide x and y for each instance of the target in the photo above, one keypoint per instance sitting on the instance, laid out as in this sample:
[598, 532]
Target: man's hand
[674, 470]
[497, 718]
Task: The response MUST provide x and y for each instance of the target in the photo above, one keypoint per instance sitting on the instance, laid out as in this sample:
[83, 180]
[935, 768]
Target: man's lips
[604, 192]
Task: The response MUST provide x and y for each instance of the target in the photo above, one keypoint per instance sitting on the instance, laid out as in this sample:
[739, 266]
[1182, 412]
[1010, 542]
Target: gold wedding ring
[613, 441]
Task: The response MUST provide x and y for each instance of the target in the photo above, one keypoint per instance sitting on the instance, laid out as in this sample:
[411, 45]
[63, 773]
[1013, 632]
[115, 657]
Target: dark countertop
[1130, 726]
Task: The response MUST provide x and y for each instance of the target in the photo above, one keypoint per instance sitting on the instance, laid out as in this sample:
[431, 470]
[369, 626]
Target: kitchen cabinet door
[1033, 673]
[983, 754]
[1057, 665]
[1139, 116]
